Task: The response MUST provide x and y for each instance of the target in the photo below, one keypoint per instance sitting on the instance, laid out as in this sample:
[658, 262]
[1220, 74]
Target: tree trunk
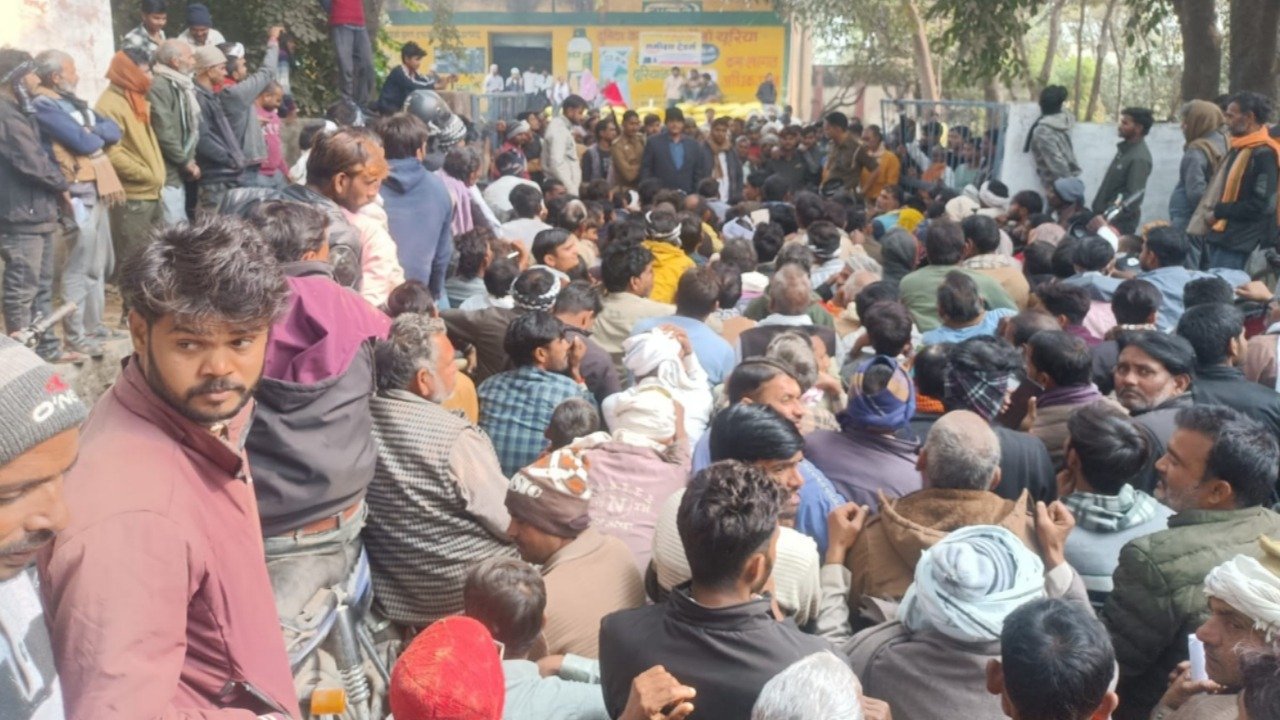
[930, 89]
[1101, 59]
[1253, 45]
[1202, 47]
[1051, 51]
[1075, 97]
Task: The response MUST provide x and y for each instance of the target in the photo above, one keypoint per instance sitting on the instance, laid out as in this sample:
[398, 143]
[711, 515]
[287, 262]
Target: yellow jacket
[136, 157]
[669, 263]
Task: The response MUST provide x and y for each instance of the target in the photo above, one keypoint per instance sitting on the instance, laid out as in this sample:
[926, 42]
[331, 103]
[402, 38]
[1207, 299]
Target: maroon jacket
[156, 594]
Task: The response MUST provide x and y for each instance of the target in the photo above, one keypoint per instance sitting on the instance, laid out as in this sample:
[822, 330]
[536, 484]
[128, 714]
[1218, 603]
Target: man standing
[627, 152]
[200, 30]
[148, 36]
[158, 602]
[274, 171]
[597, 161]
[1127, 176]
[239, 102]
[219, 154]
[1217, 474]
[35, 188]
[419, 212]
[351, 45]
[678, 161]
[767, 93]
[1049, 140]
[77, 137]
[673, 88]
[136, 157]
[516, 405]
[888, 167]
[175, 115]
[788, 163]
[39, 417]
[847, 158]
[1244, 214]
[560, 156]
[438, 464]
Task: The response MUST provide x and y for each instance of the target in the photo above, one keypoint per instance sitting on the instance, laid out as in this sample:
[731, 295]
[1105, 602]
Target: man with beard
[1152, 380]
[38, 437]
[1217, 474]
[158, 603]
[77, 138]
[1244, 618]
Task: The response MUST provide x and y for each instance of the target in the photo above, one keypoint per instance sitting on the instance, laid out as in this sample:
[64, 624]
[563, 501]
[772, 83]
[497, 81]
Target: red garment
[346, 12]
[451, 670]
[156, 594]
[270, 121]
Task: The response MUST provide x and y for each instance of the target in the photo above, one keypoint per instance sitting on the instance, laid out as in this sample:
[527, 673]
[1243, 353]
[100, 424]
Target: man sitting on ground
[960, 463]
[626, 270]
[1217, 474]
[947, 631]
[696, 299]
[1056, 663]
[588, 574]
[944, 247]
[1244, 618]
[1216, 332]
[1061, 364]
[715, 633]
[516, 405]
[1105, 454]
[1153, 379]
[509, 598]
[436, 500]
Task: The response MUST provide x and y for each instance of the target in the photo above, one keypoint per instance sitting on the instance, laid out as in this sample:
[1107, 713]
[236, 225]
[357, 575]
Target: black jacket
[657, 163]
[735, 170]
[1222, 385]
[728, 654]
[1024, 465]
[219, 152]
[1158, 423]
[1251, 219]
[397, 89]
[30, 181]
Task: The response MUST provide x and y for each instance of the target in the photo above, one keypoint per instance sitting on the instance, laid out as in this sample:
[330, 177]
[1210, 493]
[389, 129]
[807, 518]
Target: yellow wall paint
[740, 59]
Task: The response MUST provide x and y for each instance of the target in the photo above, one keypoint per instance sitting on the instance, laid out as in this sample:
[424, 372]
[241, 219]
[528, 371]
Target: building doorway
[520, 50]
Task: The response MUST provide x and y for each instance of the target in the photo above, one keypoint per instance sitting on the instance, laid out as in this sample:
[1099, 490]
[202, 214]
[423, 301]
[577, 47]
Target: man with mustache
[1153, 377]
[39, 431]
[158, 599]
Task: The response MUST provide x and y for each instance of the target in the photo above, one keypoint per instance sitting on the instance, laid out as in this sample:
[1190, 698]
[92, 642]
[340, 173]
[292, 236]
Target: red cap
[451, 671]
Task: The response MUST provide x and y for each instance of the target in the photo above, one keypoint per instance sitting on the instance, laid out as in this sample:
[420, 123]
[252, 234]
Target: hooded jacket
[883, 560]
[1205, 149]
[669, 263]
[419, 217]
[315, 389]
[1050, 145]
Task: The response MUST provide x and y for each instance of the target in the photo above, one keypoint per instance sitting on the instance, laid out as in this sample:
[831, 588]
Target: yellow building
[632, 42]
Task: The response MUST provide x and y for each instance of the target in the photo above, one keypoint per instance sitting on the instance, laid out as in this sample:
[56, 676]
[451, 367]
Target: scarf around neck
[1245, 144]
[1111, 513]
[191, 115]
[126, 75]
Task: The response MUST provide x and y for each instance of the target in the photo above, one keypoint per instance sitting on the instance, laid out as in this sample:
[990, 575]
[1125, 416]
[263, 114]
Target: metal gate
[931, 122]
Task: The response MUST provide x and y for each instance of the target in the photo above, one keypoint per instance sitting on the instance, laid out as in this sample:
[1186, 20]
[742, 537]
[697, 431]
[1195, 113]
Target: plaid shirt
[516, 407]
[139, 39]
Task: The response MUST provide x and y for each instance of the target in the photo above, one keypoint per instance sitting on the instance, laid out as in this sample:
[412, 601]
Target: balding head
[962, 452]
[789, 291]
[176, 54]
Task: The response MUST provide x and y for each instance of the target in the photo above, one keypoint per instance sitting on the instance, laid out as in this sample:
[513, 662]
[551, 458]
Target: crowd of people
[634, 419]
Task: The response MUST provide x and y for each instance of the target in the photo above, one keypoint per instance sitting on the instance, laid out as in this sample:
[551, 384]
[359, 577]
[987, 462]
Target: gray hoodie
[1050, 145]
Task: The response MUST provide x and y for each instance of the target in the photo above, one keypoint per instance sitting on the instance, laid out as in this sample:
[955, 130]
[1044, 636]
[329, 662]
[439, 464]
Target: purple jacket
[860, 464]
[311, 445]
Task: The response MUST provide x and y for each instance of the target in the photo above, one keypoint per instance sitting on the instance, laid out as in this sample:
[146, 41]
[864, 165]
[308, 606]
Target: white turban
[520, 127]
[969, 582]
[649, 412]
[656, 354]
[960, 207]
[1250, 587]
[991, 199]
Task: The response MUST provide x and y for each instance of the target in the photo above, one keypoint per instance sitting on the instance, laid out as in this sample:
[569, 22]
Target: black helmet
[428, 107]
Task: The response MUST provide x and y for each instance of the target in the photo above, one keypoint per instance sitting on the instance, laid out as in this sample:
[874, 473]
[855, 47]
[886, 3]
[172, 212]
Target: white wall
[1095, 146]
[81, 28]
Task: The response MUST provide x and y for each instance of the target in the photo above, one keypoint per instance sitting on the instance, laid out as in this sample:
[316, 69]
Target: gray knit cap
[35, 402]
